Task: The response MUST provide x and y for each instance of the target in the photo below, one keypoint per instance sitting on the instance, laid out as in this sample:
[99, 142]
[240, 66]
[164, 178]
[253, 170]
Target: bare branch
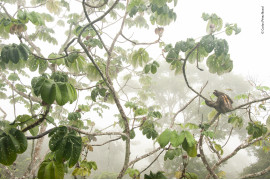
[183, 108]
[35, 99]
[78, 130]
[256, 174]
[241, 146]
[107, 142]
[151, 162]
[144, 156]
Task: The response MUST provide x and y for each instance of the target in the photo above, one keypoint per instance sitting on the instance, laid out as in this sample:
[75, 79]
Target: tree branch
[39, 121]
[79, 131]
[35, 99]
[183, 108]
[241, 146]
[256, 174]
[144, 156]
[184, 72]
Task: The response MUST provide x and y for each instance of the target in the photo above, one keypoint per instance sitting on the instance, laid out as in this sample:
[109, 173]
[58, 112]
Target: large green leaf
[164, 138]
[50, 169]
[76, 149]
[208, 43]
[67, 146]
[57, 137]
[139, 57]
[48, 91]
[37, 83]
[177, 139]
[7, 150]
[62, 93]
[18, 139]
[12, 142]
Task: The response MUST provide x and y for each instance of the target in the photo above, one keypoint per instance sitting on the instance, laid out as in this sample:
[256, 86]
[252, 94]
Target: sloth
[223, 103]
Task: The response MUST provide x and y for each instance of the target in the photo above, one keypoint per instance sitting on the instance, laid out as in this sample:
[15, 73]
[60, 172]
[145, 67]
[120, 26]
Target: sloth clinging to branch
[223, 103]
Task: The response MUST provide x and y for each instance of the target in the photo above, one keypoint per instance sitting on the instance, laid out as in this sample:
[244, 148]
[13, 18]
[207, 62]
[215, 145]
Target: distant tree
[61, 83]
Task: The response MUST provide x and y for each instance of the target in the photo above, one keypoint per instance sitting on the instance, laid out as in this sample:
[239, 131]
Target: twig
[107, 142]
[144, 156]
[151, 163]
[173, 119]
[39, 121]
[78, 130]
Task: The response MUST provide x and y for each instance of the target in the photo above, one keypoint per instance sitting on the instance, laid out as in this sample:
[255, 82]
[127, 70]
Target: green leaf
[153, 69]
[147, 68]
[76, 150]
[13, 77]
[49, 169]
[48, 91]
[208, 43]
[56, 138]
[66, 146]
[7, 150]
[11, 143]
[192, 151]
[139, 57]
[177, 139]
[158, 175]
[190, 139]
[164, 138]
[171, 56]
[62, 94]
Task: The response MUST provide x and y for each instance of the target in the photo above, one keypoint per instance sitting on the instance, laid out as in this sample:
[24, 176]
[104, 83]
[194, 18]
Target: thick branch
[251, 102]
[184, 72]
[204, 158]
[202, 152]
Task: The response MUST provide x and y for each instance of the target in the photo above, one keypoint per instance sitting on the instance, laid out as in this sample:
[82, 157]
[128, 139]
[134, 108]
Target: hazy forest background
[126, 89]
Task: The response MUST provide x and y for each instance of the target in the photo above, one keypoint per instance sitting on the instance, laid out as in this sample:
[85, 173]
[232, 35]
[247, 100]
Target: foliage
[158, 175]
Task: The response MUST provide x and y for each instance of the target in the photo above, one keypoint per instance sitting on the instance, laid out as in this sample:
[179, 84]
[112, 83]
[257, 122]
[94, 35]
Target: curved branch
[184, 72]
[256, 174]
[136, 43]
[97, 6]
